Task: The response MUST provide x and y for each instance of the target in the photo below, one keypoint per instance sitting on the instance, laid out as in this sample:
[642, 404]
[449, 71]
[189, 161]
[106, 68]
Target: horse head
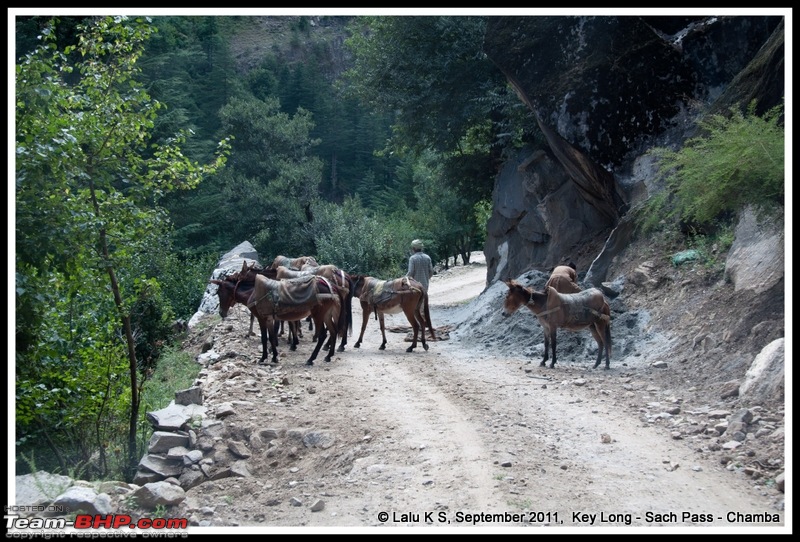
[358, 282]
[232, 289]
[516, 297]
[225, 290]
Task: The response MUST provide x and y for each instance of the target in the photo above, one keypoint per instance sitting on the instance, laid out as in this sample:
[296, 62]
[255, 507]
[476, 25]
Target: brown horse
[336, 276]
[270, 300]
[564, 278]
[390, 297]
[343, 283]
[573, 312]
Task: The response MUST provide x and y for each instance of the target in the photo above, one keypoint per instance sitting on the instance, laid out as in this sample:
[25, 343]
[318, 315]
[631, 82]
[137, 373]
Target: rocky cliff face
[604, 90]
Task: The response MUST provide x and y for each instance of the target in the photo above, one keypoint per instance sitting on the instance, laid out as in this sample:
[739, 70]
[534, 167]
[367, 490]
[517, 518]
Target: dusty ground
[473, 427]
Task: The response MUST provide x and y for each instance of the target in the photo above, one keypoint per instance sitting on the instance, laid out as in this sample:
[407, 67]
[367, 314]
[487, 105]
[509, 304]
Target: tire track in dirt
[447, 450]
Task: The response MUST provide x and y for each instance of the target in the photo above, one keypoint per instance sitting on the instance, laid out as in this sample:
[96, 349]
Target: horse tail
[345, 317]
[348, 304]
[428, 315]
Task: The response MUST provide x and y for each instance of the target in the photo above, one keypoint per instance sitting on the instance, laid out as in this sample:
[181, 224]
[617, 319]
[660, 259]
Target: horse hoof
[425, 346]
[410, 349]
[383, 347]
[340, 349]
[309, 362]
[542, 364]
[357, 345]
[552, 365]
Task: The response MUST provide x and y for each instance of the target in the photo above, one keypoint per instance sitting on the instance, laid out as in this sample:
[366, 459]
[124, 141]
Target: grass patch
[176, 370]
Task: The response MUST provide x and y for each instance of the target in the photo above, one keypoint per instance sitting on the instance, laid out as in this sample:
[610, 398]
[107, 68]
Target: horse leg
[598, 337]
[333, 325]
[427, 314]
[264, 341]
[294, 328]
[365, 309]
[268, 337]
[604, 333]
[411, 315]
[341, 326]
[546, 334]
[383, 330]
[252, 318]
[417, 320]
[553, 346]
[321, 333]
[273, 339]
[546, 349]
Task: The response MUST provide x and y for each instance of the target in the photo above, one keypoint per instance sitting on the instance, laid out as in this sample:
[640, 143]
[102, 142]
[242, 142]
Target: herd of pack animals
[293, 289]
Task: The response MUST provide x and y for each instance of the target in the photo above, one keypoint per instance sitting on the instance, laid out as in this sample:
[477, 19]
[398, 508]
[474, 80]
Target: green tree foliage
[87, 188]
[449, 100]
[357, 240]
[444, 214]
[187, 68]
[430, 70]
[272, 179]
[738, 160]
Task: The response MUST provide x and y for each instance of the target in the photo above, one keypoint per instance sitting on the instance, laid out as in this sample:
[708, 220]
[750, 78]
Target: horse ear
[509, 283]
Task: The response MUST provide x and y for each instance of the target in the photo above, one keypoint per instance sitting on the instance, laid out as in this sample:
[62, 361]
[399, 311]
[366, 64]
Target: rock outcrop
[604, 90]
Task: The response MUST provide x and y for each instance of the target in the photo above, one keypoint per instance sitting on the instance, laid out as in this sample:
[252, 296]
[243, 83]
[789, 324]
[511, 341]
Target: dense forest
[147, 147]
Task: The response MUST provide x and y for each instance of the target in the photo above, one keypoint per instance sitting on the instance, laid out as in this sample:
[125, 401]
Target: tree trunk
[133, 460]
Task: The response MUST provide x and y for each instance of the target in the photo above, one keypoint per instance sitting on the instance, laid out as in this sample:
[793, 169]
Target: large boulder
[765, 380]
[231, 261]
[756, 258]
[538, 211]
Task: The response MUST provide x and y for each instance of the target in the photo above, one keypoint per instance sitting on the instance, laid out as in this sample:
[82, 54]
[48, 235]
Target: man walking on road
[420, 266]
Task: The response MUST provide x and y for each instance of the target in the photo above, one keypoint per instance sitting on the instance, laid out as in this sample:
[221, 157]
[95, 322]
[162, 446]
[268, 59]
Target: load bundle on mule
[564, 279]
[293, 263]
[587, 309]
[390, 297]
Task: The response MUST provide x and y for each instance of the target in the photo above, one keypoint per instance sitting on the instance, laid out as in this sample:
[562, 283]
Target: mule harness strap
[255, 302]
[548, 311]
[543, 313]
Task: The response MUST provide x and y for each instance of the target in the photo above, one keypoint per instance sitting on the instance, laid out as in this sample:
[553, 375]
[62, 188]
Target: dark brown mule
[390, 297]
[272, 300]
[564, 278]
[340, 280]
[343, 283]
[573, 312]
[247, 274]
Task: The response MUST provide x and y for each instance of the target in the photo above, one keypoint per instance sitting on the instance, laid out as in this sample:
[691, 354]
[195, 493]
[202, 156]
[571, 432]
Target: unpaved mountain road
[457, 437]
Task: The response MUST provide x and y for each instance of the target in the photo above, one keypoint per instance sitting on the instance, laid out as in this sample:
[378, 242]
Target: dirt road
[455, 438]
